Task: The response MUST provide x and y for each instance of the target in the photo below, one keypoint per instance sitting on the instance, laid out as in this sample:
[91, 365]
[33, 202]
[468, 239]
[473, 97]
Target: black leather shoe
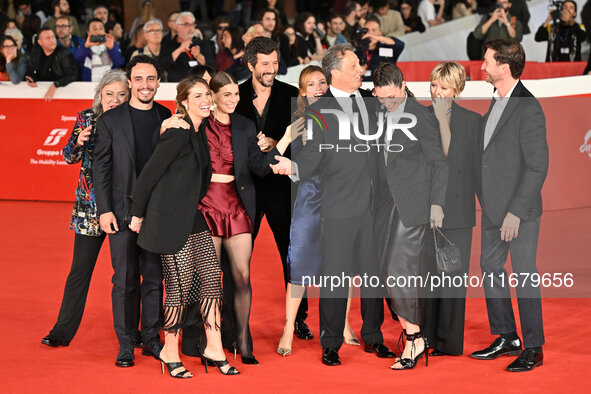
[152, 349]
[125, 357]
[379, 349]
[330, 357]
[500, 347]
[52, 342]
[527, 360]
[138, 344]
[437, 353]
[302, 330]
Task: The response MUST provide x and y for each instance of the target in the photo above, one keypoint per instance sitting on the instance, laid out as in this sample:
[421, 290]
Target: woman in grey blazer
[411, 195]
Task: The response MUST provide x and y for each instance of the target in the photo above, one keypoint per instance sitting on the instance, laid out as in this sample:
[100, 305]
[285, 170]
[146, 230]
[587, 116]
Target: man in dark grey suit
[513, 169]
[347, 189]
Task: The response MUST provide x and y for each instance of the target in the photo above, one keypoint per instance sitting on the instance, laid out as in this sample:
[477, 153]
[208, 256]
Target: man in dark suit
[513, 169]
[125, 139]
[268, 102]
[347, 178]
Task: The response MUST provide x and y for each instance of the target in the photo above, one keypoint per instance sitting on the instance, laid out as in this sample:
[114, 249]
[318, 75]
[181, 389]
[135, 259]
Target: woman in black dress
[411, 195]
[459, 129]
[167, 194]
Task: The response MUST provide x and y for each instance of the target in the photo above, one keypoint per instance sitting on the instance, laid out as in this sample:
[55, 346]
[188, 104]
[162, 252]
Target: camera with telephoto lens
[556, 7]
[360, 44]
[194, 42]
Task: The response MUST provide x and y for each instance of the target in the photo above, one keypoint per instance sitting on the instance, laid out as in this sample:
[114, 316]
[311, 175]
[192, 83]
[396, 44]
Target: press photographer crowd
[181, 196]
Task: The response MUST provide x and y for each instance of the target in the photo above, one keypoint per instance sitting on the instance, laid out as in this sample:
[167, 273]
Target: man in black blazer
[347, 179]
[268, 103]
[513, 169]
[125, 139]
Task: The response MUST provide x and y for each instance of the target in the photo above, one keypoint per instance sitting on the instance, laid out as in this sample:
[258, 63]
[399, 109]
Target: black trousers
[498, 297]
[446, 309]
[86, 251]
[347, 242]
[129, 263]
[279, 219]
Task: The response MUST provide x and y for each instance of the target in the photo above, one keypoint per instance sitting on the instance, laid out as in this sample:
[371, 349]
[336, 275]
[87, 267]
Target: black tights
[239, 249]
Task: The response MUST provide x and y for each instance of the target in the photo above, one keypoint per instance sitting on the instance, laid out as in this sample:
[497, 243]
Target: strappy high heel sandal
[219, 364]
[410, 363]
[174, 365]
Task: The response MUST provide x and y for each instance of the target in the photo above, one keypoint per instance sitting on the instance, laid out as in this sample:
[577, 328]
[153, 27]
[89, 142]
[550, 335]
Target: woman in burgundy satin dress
[229, 205]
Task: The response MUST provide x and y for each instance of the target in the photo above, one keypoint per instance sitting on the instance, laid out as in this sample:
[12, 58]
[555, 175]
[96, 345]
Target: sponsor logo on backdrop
[54, 137]
[2, 117]
[586, 147]
[46, 157]
[68, 118]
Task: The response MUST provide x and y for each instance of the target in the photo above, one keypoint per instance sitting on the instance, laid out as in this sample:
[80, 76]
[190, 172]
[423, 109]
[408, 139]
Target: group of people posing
[182, 198]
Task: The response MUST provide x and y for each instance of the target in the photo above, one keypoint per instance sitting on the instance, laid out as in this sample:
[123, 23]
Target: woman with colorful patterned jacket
[111, 91]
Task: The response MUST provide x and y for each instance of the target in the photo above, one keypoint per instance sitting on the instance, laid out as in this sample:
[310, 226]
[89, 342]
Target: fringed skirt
[191, 275]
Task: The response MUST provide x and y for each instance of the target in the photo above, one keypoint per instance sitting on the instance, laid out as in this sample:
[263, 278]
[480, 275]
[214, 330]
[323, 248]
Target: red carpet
[36, 254]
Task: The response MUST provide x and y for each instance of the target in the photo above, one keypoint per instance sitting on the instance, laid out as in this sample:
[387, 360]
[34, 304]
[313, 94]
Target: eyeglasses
[154, 31]
[8, 46]
[220, 28]
[187, 25]
[62, 26]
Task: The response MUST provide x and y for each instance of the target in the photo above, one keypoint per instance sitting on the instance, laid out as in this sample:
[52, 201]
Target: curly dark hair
[143, 59]
[262, 45]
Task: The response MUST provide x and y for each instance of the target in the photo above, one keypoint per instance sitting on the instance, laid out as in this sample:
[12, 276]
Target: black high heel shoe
[245, 359]
[219, 364]
[174, 365]
[410, 363]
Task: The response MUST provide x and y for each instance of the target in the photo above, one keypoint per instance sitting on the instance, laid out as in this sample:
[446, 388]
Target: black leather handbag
[448, 257]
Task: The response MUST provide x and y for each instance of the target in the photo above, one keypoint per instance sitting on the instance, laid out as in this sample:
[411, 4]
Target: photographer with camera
[188, 49]
[499, 24]
[563, 34]
[372, 47]
[99, 54]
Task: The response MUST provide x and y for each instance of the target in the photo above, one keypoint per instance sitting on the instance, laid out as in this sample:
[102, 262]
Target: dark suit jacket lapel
[248, 99]
[239, 144]
[127, 129]
[454, 126]
[398, 136]
[509, 109]
[156, 133]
